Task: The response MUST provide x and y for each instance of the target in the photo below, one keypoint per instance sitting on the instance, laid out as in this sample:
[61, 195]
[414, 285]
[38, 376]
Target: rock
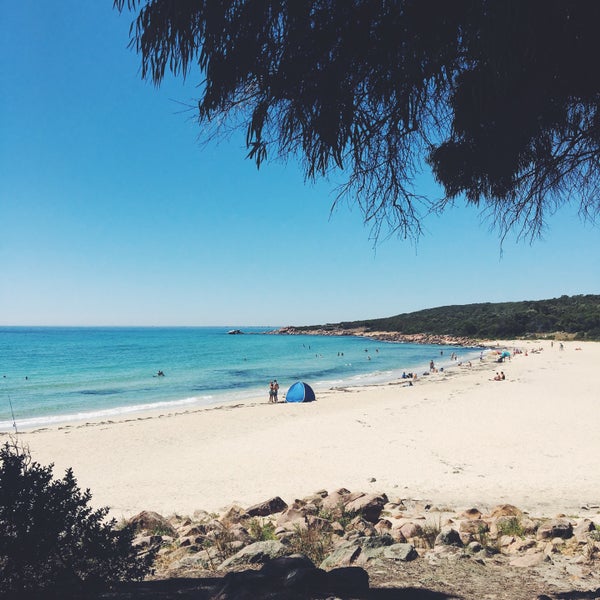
[146, 541]
[361, 526]
[473, 526]
[582, 528]
[284, 564]
[506, 510]
[306, 580]
[259, 552]
[266, 508]
[192, 530]
[344, 555]
[471, 513]
[528, 560]
[383, 526]
[448, 537]
[318, 523]
[336, 500]
[292, 517]
[377, 541]
[556, 528]
[152, 522]
[239, 533]
[368, 506]
[234, 514]
[411, 530]
[400, 552]
[348, 580]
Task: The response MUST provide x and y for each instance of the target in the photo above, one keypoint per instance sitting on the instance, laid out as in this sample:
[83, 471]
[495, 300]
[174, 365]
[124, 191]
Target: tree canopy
[500, 98]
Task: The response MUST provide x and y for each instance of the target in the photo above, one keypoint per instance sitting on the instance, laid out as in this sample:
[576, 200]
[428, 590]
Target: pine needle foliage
[500, 99]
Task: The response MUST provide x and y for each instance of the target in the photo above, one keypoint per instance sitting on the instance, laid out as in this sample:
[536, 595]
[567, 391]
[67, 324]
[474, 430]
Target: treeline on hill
[575, 315]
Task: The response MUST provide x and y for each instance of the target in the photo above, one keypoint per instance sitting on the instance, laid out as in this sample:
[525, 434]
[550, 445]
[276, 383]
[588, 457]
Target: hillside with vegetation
[577, 316]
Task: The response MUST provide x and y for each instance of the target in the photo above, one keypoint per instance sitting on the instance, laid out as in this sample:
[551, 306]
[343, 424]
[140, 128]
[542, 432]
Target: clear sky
[113, 212]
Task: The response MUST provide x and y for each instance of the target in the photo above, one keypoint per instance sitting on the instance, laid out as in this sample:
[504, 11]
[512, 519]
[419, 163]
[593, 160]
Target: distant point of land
[565, 318]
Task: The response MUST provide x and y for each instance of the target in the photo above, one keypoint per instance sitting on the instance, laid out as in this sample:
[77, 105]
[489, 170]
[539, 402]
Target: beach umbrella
[300, 392]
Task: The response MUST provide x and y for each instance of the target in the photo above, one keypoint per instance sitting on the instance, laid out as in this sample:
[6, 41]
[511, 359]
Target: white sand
[455, 438]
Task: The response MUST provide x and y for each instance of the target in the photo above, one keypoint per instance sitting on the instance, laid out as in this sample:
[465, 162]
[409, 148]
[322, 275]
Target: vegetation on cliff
[578, 316]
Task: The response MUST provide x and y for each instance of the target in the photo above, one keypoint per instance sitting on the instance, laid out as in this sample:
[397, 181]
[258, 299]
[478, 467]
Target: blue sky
[114, 213]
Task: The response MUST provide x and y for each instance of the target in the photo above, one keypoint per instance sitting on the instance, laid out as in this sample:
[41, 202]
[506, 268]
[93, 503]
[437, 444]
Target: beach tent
[505, 354]
[300, 392]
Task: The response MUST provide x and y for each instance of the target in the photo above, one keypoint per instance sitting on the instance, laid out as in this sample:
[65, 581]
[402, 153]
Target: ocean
[52, 375]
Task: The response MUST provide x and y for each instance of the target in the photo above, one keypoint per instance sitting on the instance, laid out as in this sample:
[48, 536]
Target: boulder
[348, 581]
[153, 522]
[473, 526]
[411, 530]
[448, 537]
[368, 506]
[336, 500]
[344, 555]
[291, 518]
[383, 526]
[471, 513]
[581, 530]
[528, 560]
[234, 514]
[506, 510]
[560, 528]
[400, 552]
[266, 508]
[257, 553]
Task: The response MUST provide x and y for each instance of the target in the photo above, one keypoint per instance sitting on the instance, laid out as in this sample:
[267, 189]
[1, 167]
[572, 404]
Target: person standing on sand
[275, 391]
[271, 392]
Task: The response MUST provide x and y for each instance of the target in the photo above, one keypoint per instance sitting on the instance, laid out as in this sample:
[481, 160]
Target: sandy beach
[455, 438]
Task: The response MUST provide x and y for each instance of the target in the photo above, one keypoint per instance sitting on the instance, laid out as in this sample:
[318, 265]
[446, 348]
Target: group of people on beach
[273, 391]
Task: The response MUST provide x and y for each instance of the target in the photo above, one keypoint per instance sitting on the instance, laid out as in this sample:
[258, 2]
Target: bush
[51, 541]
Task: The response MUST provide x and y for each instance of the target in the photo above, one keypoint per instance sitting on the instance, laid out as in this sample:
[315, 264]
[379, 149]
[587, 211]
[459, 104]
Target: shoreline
[530, 441]
[378, 376]
[386, 336]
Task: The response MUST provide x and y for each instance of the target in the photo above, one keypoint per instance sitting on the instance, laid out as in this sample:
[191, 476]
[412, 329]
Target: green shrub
[261, 531]
[51, 541]
[312, 541]
[512, 527]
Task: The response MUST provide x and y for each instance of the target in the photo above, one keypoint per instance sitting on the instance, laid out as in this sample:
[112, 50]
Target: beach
[455, 438]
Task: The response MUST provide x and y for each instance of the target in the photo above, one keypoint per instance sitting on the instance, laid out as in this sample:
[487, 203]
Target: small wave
[105, 413]
[109, 392]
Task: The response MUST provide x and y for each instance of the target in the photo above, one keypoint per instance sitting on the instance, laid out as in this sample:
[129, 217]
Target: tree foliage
[576, 315]
[499, 97]
[52, 544]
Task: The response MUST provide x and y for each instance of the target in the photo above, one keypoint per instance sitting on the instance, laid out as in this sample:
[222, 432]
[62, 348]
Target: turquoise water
[52, 375]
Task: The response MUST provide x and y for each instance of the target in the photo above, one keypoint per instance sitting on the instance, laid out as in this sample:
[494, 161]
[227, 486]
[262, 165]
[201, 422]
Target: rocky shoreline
[385, 336]
[349, 544]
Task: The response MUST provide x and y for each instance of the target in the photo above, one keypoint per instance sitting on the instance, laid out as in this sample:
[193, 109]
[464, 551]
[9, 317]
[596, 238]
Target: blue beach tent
[300, 392]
